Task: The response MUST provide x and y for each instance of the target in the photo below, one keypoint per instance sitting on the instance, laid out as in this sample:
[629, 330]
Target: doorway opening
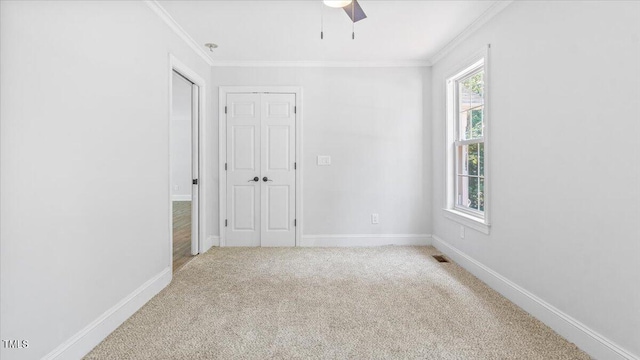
[184, 150]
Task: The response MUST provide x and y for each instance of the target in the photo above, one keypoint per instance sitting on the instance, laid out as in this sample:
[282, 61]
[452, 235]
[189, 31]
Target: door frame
[222, 150]
[199, 237]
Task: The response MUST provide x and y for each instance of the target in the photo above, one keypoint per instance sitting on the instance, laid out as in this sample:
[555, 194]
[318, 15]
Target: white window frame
[473, 219]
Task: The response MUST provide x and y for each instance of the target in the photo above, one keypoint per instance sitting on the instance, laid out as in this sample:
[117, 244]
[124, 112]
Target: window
[467, 141]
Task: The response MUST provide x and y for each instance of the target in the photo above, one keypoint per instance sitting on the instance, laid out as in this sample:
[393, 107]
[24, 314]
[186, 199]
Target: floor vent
[440, 258]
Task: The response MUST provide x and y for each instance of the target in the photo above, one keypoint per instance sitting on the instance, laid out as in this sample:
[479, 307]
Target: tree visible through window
[469, 141]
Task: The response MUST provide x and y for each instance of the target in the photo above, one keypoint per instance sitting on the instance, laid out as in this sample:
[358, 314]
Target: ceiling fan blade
[355, 14]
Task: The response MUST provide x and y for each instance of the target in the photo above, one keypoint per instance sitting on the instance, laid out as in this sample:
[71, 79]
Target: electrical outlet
[324, 160]
[176, 187]
[375, 218]
[461, 232]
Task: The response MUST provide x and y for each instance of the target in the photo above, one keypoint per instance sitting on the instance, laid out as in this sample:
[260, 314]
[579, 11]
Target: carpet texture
[330, 303]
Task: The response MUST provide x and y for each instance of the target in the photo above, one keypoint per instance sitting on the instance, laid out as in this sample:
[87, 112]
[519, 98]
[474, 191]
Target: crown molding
[492, 11]
[171, 22]
[418, 63]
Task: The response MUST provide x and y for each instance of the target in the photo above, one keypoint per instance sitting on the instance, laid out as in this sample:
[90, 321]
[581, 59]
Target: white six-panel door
[278, 157]
[261, 145]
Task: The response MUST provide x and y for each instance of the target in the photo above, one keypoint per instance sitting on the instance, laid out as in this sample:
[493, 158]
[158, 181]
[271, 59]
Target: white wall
[84, 162]
[181, 117]
[84, 169]
[372, 123]
[565, 177]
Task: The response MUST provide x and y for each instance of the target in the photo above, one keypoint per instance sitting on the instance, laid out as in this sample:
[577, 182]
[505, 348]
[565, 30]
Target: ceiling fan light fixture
[337, 4]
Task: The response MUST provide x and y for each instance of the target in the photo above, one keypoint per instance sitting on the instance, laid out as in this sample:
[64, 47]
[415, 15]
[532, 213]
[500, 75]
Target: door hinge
[295, 166]
[225, 166]
[225, 222]
[295, 222]
[194, 181]
[295, 109]
[225, 109]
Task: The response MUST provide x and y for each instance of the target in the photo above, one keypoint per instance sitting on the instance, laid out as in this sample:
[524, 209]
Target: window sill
[467, 220]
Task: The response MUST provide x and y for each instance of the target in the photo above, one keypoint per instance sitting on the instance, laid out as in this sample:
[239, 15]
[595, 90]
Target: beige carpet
[330, 303]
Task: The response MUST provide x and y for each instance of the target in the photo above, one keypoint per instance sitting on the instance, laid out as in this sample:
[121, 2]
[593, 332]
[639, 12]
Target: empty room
[314, 179]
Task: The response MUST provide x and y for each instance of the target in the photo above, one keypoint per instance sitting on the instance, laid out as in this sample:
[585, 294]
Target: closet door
[278, 176]
[261, 143]
[243, 169]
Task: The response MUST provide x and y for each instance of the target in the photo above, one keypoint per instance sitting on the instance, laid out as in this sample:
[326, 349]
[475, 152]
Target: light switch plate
[324, 160]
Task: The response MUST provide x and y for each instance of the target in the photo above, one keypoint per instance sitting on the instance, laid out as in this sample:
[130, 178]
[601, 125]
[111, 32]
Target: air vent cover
[440, 258]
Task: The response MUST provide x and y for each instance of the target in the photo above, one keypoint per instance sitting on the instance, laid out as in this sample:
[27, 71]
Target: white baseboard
[571, 329]
[341, 240]
[210, 241]
[181, 198]
[86, 339]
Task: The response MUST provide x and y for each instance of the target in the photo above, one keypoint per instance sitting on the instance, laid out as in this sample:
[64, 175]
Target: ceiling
[289, 31]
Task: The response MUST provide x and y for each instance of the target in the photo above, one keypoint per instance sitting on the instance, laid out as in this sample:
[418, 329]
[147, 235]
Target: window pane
[481, 158]
[469, 129]
[481, 195]
[475, 86]
[471, 106]
[462, 195]
[469, 161]
[476, 123]
[472, 159]
[471, 124]
[464, 125]
[464, 96]
[468, 192]
[461, 161]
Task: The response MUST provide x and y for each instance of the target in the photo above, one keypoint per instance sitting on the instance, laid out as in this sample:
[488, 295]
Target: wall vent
[440, 258]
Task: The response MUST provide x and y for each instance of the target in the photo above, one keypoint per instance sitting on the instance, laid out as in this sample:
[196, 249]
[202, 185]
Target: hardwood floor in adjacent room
[181, 233]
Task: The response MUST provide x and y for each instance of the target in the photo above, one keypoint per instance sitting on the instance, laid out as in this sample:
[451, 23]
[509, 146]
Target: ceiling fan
[353, 10]
[351, 7]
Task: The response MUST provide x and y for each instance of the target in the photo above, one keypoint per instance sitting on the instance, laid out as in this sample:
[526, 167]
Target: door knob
[265, 179]
[256, 179]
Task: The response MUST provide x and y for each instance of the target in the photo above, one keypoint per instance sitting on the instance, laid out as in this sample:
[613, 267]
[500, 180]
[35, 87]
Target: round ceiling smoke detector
[211, 46]
[337, 4]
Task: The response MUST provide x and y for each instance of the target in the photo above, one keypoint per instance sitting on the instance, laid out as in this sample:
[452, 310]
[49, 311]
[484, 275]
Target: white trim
[573, 330]
[471, 64]
[260, 89]
[398, 63]
[222, 164]
[222, 149]
[211, 241]
[492, 11]
[299, 165]
[170, 21]
[470, 141]
[200, 241]
[180, 197]
[360, 240]
[467, 220]
[86, 339]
